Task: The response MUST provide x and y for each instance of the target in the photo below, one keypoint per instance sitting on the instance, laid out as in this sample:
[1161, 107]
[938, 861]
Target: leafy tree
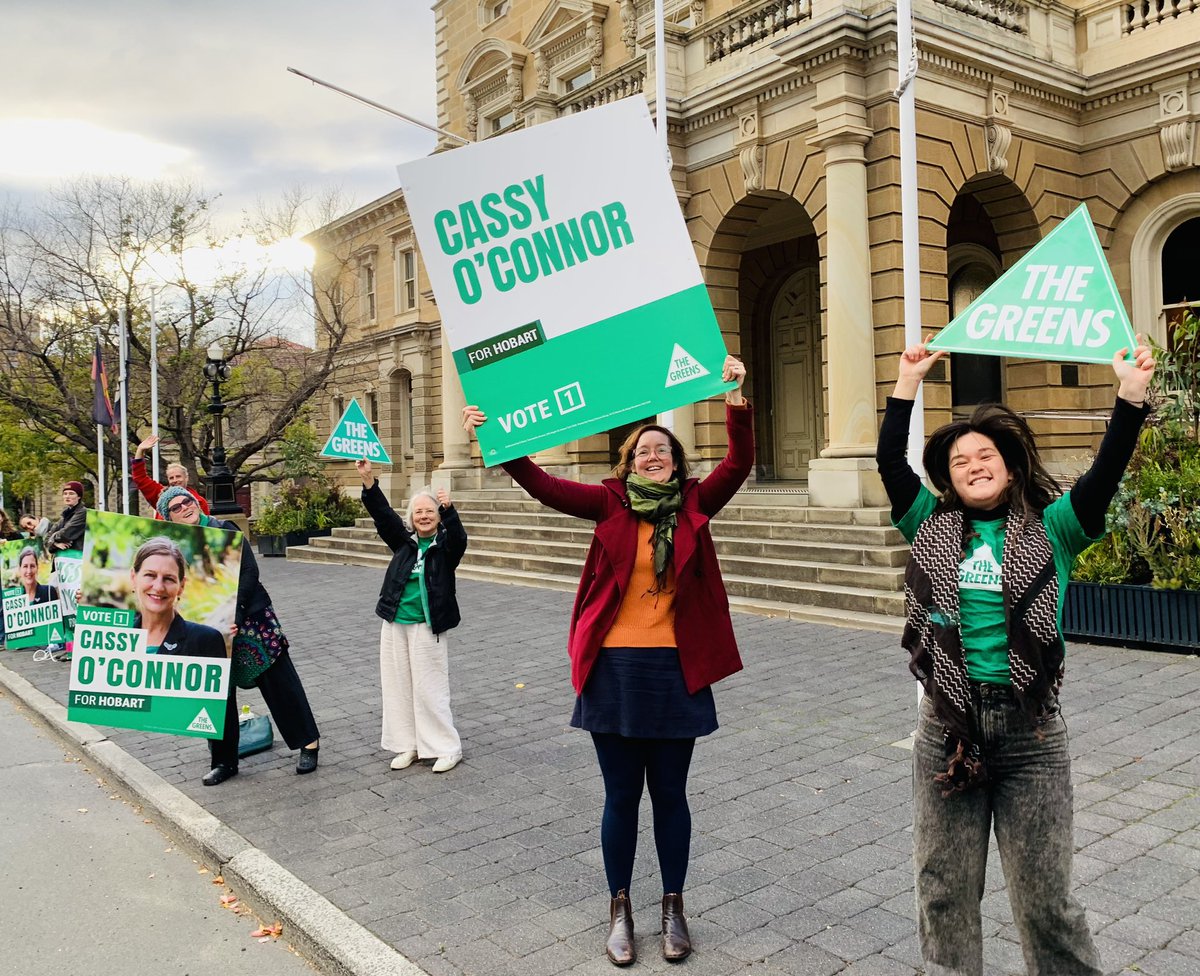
[100, 247]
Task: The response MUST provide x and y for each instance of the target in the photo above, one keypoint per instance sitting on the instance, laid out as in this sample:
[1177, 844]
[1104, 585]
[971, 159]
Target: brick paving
[801, 847]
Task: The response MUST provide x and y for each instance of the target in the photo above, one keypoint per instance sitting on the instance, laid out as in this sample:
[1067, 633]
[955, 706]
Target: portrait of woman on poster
[27, 573]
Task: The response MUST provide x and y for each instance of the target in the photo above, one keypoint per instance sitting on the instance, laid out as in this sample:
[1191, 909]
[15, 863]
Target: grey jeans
[1028, 801]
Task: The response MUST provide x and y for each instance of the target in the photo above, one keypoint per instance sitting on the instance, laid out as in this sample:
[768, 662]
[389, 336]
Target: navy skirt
[639, 692]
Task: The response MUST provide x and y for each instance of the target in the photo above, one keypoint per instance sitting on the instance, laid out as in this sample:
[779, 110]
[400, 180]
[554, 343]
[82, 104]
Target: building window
[492, 10]
[369, 291]
[578, 80]
[1180, 287]
[973, 379]
[373, 409]
[502, 122]
[406, 279]
[339, 407]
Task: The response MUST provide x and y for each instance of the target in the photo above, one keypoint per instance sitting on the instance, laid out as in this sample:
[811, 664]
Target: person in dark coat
[650, 633]
[260, 652]
[67, 532]
[418, 605]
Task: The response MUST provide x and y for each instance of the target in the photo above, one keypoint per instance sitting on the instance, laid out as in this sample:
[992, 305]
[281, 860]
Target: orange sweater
[645, 619]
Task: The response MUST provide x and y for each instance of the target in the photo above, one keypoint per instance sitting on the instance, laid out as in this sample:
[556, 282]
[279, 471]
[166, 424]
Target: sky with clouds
[200, 91]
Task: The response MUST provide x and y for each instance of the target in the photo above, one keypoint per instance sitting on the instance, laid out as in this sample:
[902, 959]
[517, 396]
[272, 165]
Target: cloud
[201, 91]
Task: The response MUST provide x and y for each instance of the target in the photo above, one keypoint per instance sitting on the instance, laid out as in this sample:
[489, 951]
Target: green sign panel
[115, 681]
[565, 278]
[355, 438]
[1059, 302]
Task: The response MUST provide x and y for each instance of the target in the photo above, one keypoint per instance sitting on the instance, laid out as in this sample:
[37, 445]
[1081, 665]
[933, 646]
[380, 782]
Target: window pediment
[491, 83]
[567, 39]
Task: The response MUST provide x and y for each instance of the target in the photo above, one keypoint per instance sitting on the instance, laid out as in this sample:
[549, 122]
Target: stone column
[456, 445]
[844, 475]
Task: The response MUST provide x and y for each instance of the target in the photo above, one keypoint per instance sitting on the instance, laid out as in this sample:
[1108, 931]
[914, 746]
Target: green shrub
[307, 508]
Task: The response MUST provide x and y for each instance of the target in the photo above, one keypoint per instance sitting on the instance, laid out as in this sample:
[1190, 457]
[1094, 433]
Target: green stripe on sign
[499, 347]
[653, 358]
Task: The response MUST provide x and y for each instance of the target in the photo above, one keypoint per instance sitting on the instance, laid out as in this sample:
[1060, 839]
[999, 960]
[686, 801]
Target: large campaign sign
[566, 281]
[1058, 302]
[145, 579]
[32, 612]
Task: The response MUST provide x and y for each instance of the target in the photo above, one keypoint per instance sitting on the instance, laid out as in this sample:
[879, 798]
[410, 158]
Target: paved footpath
[801, 846]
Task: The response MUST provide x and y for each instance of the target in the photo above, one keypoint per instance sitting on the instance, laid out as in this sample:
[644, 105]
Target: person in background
[260, 653]
[991, 557]
[650, 634]
[67, 532]
[32, 527]
[417, 604]
[177, 476]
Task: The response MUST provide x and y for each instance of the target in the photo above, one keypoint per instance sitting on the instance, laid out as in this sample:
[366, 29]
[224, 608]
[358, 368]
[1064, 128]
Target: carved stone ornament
[595, 46]
[753, 160]
[999, 137]
[629, 26]
[1176, 139]
[472, 113]
[1172, 103]
[541, 67]
[516, 91]
[697, 12]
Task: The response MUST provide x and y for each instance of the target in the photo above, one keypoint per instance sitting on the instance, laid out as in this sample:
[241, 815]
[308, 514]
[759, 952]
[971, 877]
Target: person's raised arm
[388, 524]
[727, 477]
[900, 481]
[568, 497]
[1095, 488]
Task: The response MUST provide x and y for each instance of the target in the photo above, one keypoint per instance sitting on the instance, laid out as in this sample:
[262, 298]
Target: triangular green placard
[1058, 302]
[355, 438]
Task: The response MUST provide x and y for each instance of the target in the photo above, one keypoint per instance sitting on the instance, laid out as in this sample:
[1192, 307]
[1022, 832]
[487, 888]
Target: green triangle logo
[1059, 302]
[55, 636]
[353, 437]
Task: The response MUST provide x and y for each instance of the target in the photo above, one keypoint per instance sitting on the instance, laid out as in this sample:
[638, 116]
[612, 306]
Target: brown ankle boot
[619, 947]
[676, 942]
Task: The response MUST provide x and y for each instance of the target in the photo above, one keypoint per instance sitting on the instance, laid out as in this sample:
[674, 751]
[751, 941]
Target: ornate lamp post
[221, 497]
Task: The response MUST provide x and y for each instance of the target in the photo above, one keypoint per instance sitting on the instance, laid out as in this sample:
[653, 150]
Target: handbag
[255, 734]
[258, 643]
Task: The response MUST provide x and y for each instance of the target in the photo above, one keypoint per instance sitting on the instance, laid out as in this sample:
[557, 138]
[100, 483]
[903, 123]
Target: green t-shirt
[981, 599]
[412, 601]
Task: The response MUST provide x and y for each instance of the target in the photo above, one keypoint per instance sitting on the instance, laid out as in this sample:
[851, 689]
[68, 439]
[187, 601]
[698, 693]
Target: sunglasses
[180, 505]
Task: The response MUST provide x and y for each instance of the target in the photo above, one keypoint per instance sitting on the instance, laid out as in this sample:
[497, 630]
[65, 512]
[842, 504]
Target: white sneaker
[404, 760]
[447, 763]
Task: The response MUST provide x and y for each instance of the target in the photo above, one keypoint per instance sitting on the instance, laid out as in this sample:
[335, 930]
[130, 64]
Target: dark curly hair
[1032, 488]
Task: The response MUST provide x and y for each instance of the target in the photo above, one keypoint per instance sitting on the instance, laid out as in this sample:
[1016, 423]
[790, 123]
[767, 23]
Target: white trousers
[414, 675]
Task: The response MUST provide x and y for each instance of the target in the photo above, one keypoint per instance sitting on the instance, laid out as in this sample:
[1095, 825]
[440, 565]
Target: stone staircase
[778, 555]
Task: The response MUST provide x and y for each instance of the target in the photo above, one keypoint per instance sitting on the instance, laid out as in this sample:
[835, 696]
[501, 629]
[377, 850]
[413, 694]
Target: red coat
[703, 630]
[151, 489]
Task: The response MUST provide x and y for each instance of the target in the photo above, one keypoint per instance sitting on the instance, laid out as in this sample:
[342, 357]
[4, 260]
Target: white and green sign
[565, 278]
[114, 681]
[152, 627]
[1059, 302]
[355, 438]
[32, 614]
[68, 574]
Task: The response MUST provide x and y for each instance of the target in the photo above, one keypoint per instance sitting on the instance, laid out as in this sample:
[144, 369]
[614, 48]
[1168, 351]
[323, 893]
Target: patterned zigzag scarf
[933, 634]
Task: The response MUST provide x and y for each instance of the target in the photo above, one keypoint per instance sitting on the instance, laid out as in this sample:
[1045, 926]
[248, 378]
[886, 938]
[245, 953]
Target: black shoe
[218, 774]
[307, 761]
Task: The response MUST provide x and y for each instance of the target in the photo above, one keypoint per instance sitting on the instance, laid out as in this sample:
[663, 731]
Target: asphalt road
[90, 887]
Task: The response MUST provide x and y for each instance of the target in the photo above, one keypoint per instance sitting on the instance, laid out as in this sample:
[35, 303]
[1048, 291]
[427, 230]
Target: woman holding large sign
[260, 651]
[984, 591]
[650, 633]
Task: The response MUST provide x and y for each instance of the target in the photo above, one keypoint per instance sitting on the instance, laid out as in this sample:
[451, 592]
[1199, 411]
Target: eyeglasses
[180, 505]
[662, 451]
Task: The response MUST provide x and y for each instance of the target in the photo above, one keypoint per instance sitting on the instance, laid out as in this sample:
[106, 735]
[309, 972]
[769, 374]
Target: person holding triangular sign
[991, 556]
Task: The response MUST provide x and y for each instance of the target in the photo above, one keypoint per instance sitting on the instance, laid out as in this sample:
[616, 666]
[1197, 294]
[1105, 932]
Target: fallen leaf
[229, 900]
[202, 870]
[219, 879]
[265, 932]
[520, 684]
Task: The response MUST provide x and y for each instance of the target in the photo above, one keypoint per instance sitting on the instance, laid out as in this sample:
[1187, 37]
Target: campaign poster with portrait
[153, 625]
[67, 577]
[32, 613]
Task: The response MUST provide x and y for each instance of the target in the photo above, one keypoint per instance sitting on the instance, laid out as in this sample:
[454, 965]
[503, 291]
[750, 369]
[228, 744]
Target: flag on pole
[102, 408]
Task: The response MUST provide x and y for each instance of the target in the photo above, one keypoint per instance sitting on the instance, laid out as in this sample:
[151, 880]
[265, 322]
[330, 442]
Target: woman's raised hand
[1134, 375]
[734, 371]
[365, 472]
[472, 417]
[915, 363]
[145, 445]
[443, 498]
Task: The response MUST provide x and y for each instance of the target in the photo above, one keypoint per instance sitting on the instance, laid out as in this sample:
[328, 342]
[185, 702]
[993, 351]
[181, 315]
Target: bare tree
[100, 246]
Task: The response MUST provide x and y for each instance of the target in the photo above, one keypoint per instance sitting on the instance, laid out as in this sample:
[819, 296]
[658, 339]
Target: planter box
[1133, 616]
[277, 545]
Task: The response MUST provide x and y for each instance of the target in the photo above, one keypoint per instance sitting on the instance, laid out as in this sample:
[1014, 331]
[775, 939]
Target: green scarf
[653, 501]
[204, 520]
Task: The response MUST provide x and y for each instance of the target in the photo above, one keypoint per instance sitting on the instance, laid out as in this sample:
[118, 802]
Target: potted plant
[1140, 585]
[302, 512]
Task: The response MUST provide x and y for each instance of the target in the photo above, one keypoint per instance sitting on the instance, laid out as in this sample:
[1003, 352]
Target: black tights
[662, 764]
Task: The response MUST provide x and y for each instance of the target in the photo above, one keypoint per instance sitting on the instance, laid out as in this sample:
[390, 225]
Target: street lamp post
[221, 497]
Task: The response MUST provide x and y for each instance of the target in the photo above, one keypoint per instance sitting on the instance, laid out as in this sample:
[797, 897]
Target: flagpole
[101, 500]
[124, 418]
[154, 376]
[667, 417]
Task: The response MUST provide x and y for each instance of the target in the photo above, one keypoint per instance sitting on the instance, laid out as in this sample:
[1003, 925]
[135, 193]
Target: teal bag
[255, 734]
